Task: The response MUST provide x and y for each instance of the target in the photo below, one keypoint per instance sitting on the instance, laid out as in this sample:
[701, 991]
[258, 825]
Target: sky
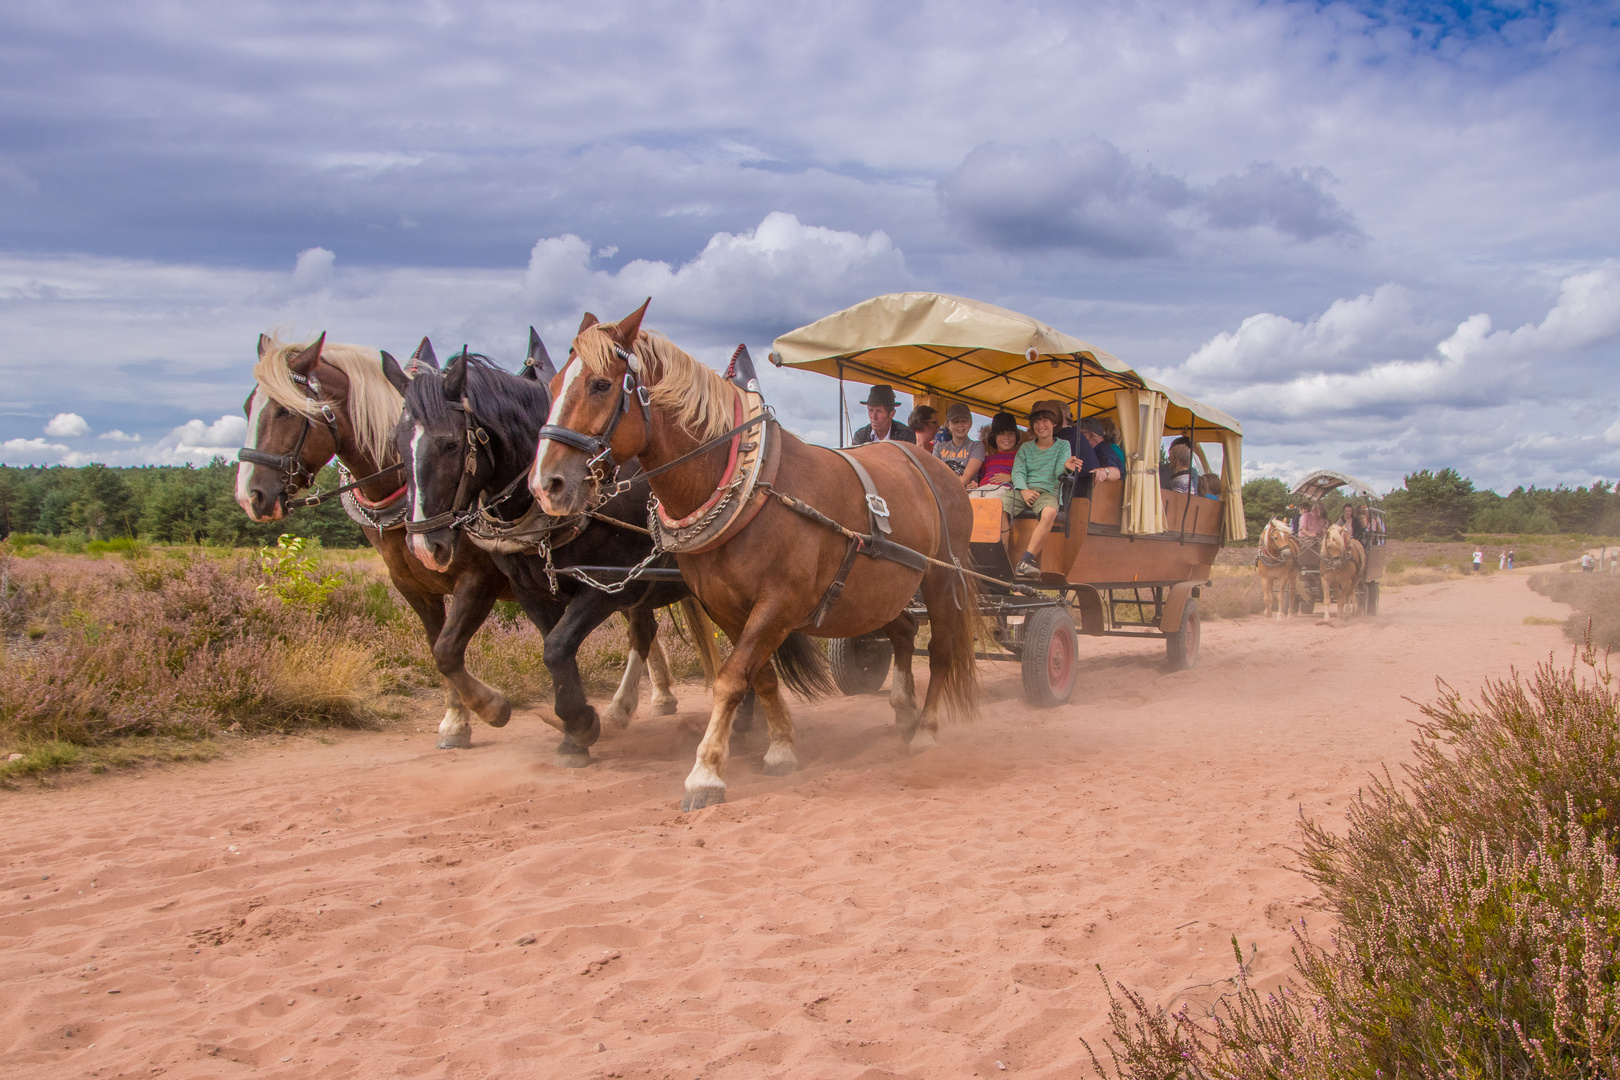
[1385, 236]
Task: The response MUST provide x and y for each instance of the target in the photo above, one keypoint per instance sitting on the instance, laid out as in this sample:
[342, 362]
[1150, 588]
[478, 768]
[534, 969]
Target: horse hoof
[591, 733]
[698, 798]
[922, 743]
[617, 720]
[571, 755]
[501, 715]
[666, 708]
[461, 740]
[780, 768]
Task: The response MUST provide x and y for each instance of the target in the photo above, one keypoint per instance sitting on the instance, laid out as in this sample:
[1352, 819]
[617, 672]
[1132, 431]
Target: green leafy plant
[294, 576]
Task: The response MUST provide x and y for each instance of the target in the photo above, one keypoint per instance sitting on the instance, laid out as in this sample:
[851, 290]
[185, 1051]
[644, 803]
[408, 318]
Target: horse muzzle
[434, 550]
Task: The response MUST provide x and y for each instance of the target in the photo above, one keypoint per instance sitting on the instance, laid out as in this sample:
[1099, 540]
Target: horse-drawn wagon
[1314, 488]
[1125, 557]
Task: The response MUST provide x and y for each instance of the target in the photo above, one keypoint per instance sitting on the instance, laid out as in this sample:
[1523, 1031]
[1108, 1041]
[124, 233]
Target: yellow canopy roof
[976, 353]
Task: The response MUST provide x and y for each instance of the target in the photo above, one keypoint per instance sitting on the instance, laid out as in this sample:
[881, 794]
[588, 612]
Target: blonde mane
[702, 400]
[373, 404]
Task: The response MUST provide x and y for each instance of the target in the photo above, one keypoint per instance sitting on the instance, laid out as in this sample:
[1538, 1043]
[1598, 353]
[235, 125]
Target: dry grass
[1476, 902]
[1595, 598]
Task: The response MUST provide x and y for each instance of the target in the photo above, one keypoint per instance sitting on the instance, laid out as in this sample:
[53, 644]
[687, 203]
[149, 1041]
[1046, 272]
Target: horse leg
[581, 725]
[760, 637]
[902, 632]
[949, 634]
[665, 701]
[455, 733]
[780, 760]
[470, 605]
[642, 626]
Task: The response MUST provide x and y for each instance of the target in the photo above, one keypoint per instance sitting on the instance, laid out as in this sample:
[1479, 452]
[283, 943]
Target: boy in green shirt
[1037, 476]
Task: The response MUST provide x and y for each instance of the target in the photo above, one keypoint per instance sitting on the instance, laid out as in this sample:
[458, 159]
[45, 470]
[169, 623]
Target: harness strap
[875, 504]
[939, 504]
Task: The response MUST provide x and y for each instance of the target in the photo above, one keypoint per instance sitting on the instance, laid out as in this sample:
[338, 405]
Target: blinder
[599, 446]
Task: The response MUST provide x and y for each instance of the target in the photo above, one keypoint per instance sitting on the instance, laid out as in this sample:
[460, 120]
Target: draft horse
[468, 438]
[1278, 566]
[799, 536]
[1343, 562]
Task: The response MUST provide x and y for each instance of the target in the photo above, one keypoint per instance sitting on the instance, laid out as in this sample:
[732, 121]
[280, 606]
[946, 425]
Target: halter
[600, 446]
[460, 513]
[294, 475]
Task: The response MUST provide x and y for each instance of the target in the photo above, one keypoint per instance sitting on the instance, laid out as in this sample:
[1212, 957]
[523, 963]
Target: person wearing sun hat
[880, 409]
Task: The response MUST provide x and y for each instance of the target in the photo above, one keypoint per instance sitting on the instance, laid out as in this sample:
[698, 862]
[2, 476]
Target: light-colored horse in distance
[1343, 562]
[1278, 566]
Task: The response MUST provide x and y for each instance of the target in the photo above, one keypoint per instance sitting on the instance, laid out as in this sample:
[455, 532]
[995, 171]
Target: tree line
[1444, 505]
[156, 503]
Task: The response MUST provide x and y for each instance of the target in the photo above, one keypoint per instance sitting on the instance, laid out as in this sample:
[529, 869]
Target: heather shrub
[1595, 598]
[1478, 908]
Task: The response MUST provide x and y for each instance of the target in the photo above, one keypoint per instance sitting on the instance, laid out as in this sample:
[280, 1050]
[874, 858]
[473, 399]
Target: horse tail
[963, 626]
[703, 639]
[803, 668]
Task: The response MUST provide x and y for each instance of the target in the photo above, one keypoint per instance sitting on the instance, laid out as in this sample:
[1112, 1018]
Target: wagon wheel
[1050, 657]
[1371, 606]
[860, 664]
[1181, 646]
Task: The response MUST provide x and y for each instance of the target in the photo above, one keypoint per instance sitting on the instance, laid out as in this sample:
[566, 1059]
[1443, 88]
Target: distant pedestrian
[1501, 561]
[1510, 558]
[1479, 561]
[1586, 563]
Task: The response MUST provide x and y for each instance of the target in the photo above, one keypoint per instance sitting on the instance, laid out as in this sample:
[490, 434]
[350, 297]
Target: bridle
[294, 474]
[600, 446]
[461, 511]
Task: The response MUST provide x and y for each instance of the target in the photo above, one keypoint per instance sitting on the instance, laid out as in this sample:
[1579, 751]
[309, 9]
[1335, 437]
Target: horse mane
[509, 408]
[373, 404]
[701, 399]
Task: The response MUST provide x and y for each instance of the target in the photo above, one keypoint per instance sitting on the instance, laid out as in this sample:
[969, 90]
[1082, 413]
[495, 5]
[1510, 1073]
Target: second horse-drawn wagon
[1369, 532]
[1126, 557]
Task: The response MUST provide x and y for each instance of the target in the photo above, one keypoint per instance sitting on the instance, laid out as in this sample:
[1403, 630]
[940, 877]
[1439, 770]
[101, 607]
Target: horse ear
[625, 330]
[305, 362]
[422, 358]
[264, 345]
[587, 322]
[394, 373]
[455, 377]
[538, 366]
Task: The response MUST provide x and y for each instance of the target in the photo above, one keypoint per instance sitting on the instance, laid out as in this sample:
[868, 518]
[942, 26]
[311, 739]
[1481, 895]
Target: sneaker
[1028, 567]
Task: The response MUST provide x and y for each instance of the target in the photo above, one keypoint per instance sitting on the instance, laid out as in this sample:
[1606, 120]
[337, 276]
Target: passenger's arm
[971, 473]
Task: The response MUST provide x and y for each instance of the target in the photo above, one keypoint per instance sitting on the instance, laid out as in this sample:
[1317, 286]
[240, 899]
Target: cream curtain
[1237, 526]
[1141, 425]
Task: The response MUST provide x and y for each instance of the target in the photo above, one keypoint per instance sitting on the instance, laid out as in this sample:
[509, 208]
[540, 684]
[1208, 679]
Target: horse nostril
[554, 486]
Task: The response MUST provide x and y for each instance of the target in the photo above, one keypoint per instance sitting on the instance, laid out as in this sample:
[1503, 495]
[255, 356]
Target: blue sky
[1386, 236]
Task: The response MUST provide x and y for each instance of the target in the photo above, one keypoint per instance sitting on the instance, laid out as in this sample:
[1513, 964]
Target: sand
[372, 907]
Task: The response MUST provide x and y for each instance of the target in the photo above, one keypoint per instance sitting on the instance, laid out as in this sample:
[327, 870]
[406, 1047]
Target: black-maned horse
[468, 437]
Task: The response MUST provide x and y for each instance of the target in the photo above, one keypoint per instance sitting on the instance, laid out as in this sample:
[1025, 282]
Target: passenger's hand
[1072, 465]
[1030, 495]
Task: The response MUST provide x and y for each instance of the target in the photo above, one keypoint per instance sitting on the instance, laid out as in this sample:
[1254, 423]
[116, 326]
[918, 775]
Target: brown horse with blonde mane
[1343, 563]
[1278, 567]
[770, 576]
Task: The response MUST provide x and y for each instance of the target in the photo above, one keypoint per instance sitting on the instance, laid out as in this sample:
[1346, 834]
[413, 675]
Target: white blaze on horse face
[571, 375]
[244, 469]
[418, 544]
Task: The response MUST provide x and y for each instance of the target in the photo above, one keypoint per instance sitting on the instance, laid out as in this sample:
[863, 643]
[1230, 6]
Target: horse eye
[600, 386]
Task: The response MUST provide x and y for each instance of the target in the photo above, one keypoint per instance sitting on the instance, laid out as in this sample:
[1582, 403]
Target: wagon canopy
[978, 354]
[992, 359]
[1319, 483]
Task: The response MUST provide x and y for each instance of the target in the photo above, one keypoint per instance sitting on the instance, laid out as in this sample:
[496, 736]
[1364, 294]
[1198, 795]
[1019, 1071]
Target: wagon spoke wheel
[1050, 657]
[1181, 646]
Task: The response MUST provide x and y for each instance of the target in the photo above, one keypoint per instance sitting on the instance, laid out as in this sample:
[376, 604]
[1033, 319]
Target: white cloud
[67, 425]
[197, 443]
[1287, 370]
[1612, 435]
[118, 436]
[31, 452]
[313, 270]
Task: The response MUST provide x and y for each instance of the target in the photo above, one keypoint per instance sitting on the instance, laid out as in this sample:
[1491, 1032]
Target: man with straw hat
[880, 409]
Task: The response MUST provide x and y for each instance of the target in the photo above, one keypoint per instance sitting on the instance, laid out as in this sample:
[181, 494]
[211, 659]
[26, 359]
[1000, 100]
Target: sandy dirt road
[352, 910]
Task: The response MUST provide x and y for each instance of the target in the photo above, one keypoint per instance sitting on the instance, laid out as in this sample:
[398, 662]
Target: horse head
[462, 434]
[285, 445]
[1333, 544]
[594, 416]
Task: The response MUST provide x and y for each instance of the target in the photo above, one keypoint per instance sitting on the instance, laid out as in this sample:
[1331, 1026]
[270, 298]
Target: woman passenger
[1000, 450]
[924, 421]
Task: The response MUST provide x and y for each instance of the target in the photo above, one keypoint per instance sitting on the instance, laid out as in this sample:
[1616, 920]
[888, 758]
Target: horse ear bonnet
[422, 360]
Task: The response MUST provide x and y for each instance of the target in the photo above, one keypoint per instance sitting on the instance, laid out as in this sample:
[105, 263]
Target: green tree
[1430, 504]
[1263, 499]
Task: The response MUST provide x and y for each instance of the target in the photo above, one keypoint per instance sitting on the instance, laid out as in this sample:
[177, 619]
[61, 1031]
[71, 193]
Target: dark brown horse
[313, 402]
[626, 393]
